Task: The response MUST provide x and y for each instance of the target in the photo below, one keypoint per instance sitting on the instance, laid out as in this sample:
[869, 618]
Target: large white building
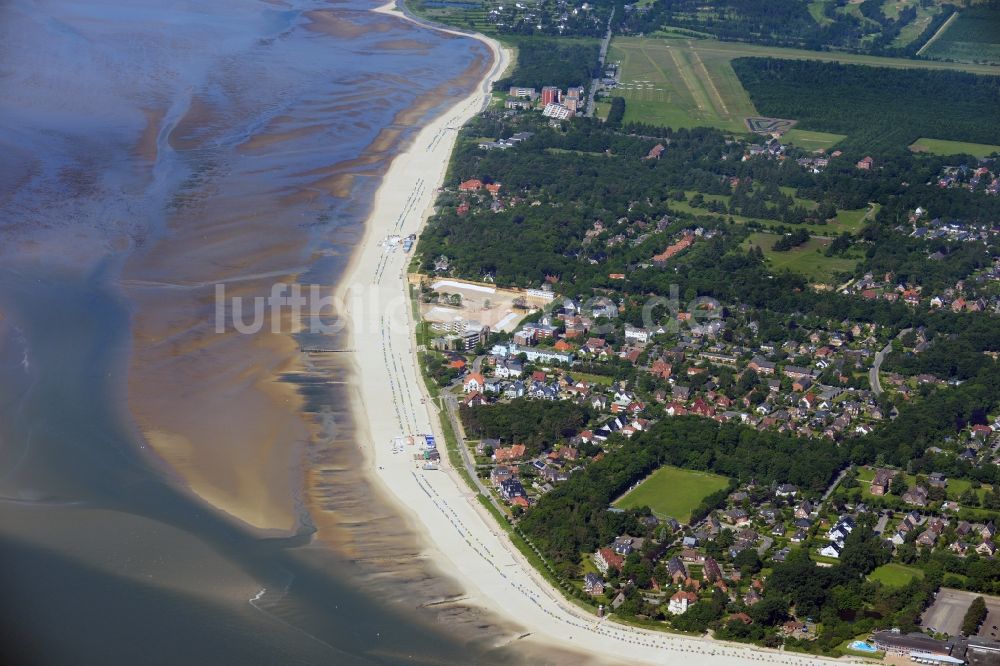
[535, 354]
[637, 334]
[557, 111]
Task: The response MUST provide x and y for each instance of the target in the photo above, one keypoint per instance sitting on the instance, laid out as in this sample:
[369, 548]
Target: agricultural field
[807, 259]
[972, 36]
[673, 492]
[895, 575]
[807, 140]
[681, 82]
[943, 147]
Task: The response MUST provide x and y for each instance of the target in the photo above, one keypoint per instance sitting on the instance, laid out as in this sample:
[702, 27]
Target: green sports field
[673, 492]
[895, 575]
[944, 147]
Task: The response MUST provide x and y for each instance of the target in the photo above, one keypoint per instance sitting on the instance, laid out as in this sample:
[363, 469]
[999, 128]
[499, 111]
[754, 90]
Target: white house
[786, 490]
[839, 532]
[508, 369]
[500, 351]
[680, 602]
[637, 334]
[474, 382]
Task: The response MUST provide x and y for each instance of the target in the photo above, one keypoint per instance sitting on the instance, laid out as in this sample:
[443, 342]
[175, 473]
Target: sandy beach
[391, 402]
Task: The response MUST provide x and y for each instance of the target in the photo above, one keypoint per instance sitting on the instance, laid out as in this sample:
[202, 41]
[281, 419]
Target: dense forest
[538, 424]
[551, 62]
[880, 109]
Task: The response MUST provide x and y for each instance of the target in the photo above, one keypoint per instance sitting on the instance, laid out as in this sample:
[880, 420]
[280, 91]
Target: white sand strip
[463, 285]
[502, 325]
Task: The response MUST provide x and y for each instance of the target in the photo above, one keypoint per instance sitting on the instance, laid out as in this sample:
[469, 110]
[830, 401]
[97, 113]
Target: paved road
[595, 85]
[833, 486]
[883, 520]
[451, 407]
[873, 379]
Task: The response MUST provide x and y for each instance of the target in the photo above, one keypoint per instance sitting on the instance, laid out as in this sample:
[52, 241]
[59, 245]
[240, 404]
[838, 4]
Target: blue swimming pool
[862, 646]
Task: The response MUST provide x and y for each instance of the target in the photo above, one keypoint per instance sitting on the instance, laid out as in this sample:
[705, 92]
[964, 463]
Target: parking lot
[945, 615]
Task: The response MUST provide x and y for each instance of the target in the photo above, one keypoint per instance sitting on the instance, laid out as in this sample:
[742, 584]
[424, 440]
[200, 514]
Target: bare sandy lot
[484, 303]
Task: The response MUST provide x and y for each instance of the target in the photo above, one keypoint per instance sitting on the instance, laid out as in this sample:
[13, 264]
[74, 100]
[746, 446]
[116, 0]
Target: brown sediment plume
[338, 24]
[259, 141]
[277, 130]
[401, 45]
[213, 407]
[189, 133]
[147, 145]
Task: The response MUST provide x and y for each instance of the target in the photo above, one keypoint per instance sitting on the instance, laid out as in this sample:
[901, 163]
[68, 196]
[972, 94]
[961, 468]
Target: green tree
[748, 562]
[898, 485]
[974, 616]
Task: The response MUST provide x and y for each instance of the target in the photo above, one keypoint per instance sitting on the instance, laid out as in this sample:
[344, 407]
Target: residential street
[873, 378]
[451, 407]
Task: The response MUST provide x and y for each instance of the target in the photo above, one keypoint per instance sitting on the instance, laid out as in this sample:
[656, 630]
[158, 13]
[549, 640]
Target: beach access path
[460, 537]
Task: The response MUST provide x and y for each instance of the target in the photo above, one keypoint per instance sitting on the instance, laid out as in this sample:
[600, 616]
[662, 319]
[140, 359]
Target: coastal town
[500, 332]
[666, 566]
[543, 387]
